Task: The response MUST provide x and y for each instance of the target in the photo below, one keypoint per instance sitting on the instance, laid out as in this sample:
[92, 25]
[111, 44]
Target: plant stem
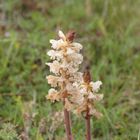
[88, 128]
[67, 125]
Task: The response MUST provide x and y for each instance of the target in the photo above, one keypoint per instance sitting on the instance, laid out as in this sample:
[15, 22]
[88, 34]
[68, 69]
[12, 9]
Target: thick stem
[67, 125]
[67, 120]
[88, 127]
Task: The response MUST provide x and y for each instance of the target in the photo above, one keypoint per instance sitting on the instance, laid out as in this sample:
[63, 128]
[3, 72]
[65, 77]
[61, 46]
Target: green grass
[110, 36]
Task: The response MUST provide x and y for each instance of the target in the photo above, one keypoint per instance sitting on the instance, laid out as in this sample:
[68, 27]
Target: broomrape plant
[70, 86]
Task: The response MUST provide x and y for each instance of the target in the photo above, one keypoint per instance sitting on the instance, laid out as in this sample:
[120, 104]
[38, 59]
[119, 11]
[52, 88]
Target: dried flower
[65, 63]
[53, 95]
[69, 85]
[88, 90]
[75, 89]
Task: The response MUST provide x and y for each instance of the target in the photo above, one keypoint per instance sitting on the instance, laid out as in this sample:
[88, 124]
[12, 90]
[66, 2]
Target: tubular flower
[74, 88]
[88, 90]
[65, 63]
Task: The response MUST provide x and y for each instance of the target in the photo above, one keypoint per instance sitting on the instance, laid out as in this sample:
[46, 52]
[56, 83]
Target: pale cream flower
[54, 67]
[53, 80]
[91, 89]
[57, 44]
[77, 46]
[77, 93]
[95, 97]
[75, 58]
[90, 97]
[61, 35]
[53, 95]
[66, 60]
[81, 108]
[70, 51]
[77, 98]
[55, 54]
[95, 85]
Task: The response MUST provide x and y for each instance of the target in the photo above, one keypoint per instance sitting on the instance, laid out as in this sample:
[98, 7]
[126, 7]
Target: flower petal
[95, 85]
[61, 35]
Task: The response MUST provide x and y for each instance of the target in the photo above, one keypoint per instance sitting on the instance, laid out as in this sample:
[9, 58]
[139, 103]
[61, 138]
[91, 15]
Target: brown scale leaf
[70, 36]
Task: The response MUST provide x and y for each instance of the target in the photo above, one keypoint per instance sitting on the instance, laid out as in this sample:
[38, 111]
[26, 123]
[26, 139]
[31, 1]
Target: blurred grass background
[110, 33]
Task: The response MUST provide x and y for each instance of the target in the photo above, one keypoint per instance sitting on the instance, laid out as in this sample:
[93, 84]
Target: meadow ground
[110, 33]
